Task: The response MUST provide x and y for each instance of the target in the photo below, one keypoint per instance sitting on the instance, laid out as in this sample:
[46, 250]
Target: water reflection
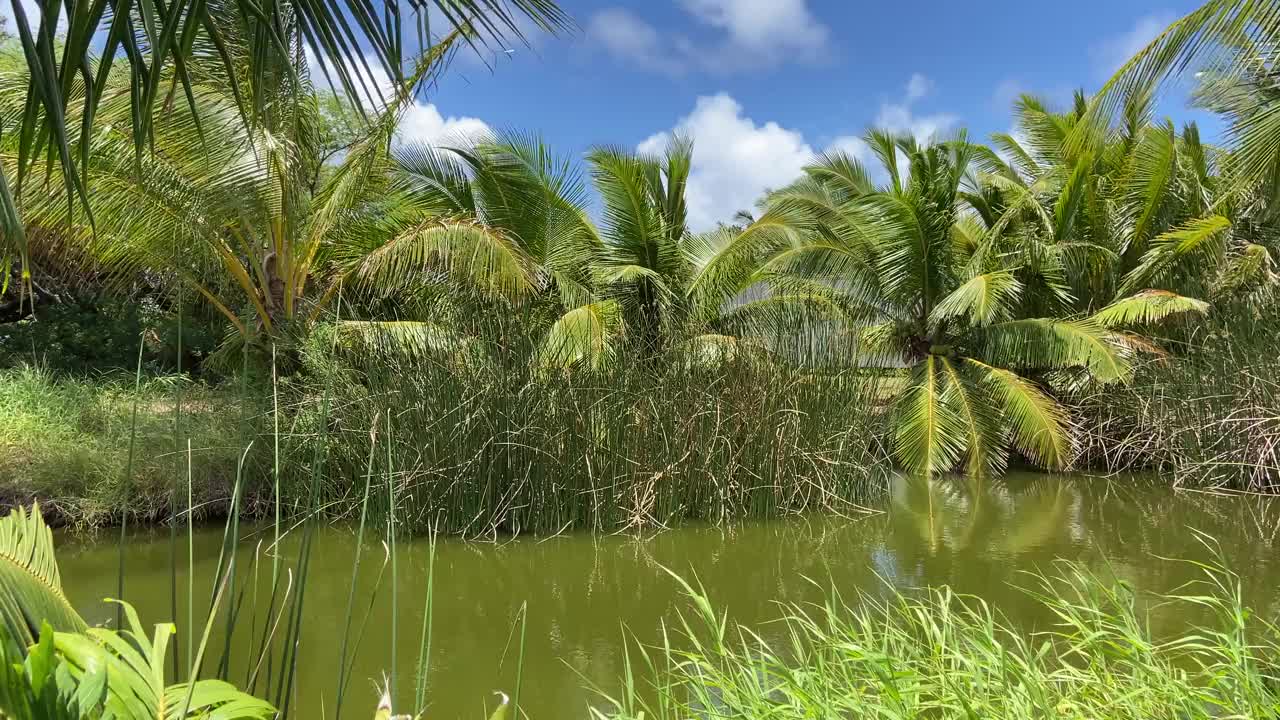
[980, 536]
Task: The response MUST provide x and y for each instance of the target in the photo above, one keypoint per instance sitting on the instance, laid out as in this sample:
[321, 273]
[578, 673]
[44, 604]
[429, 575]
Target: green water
[581, 591]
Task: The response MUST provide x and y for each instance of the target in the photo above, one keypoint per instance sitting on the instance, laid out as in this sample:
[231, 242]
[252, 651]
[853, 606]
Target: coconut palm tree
[1145, 208]
[245, 217]
[601, 289]
[156, 51]
[917, 273]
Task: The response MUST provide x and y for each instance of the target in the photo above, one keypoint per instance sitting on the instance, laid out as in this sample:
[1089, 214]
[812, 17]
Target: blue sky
[763, 84]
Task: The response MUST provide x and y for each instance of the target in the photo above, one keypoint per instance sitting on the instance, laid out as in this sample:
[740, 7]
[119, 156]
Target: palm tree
[601, 290]
[156, 52]
[918, 274]
[246, 217]
[1146, 208]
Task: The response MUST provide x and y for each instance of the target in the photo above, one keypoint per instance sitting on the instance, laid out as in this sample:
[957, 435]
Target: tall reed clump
[1209, 414]
[487, 443]
[942, 656]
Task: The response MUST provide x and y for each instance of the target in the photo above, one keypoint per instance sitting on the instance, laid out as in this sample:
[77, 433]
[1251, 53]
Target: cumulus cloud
[737, 158]
[747, 34]
[1109, 54]
[422, 122]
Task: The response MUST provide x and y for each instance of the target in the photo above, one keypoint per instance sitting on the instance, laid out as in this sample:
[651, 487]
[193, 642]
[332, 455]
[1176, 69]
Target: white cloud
[734, 159]
[901, 117]
[748, 34]
[773, 26]
[624, 35]
[1115, 51]
[422, 122]
[918, 86]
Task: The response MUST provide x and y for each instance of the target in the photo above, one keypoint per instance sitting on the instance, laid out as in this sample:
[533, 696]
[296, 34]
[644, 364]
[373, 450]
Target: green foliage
[30, 586]
[100, 333]
[944, 656]
[73, 671]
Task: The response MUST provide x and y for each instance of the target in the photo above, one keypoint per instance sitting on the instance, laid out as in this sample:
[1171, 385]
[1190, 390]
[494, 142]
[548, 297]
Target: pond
[584, 592]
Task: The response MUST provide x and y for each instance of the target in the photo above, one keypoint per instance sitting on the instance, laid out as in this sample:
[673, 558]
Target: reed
[1207, 416]
[501, 448]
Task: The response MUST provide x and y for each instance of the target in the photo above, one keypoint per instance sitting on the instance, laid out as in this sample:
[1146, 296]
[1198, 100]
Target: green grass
[941, 656]
[65, 442]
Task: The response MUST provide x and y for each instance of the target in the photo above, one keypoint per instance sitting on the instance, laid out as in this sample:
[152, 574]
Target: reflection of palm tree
[957, 514]
[1039, 515]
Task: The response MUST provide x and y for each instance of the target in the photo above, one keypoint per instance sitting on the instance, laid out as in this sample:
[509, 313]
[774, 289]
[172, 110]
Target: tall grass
[482, 451]
[943, 656]
[1209, 415]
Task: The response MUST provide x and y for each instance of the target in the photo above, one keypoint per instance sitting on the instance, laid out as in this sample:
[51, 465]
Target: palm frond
[1047, 344]
[1038, 425]
[478, 255]
[981, 300]
[930, 436]
[585, 336]
[30, 584]
[1202, 238]
[1147, 308]
[366, 339]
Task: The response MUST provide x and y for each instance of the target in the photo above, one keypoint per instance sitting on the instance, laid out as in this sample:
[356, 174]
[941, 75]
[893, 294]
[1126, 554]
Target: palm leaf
[584, 336]
[1046, 344]
[1147, 308]
[480, 255]
[981, 300]
[930, 437]
[30, 585]
[1202, 238]
[367, 339]
[1038, 425]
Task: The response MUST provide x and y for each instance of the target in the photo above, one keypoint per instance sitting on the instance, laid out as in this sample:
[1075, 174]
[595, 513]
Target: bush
[89, 333]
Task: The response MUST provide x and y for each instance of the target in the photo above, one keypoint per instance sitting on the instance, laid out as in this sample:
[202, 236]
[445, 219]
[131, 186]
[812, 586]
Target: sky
[763, 85]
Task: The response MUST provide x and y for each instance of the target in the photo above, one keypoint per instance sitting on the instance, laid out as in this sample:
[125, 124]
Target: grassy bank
[66, 441]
